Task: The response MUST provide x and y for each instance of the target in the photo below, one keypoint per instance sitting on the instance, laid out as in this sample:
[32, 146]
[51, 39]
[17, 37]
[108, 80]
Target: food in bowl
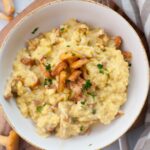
[69, 79]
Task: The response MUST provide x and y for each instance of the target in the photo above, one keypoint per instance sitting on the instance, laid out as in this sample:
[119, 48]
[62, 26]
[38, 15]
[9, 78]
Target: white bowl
[50, 16]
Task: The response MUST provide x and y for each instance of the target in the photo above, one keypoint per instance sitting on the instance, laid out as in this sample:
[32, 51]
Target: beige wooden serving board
[38, 3]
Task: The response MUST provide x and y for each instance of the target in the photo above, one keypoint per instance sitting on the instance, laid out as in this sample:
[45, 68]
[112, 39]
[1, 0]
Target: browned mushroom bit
[79, 63]
[118, 41]
[127, 55]
[28, 61]
[11, 142]
[76, 88]
[61, 66]
[74, 75]
[120, 113]
[62, 80]
[84, 72]
[70, 61]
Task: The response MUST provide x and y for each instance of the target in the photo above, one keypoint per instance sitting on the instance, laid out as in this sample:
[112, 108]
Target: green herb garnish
[101, 69]
[82, 102]
[47, 81]
[94, 111]
[100, 66]
[48, 67]
[33, 32]
[87, 85]
[81, 128]
[62, 29]
[39, 109]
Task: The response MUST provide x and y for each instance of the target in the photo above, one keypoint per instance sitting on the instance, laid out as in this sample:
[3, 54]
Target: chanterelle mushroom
[11, 142]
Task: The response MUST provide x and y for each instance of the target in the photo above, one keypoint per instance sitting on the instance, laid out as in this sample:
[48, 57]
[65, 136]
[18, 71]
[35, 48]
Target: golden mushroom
[9, 7]
[5, 17]
[11, 142]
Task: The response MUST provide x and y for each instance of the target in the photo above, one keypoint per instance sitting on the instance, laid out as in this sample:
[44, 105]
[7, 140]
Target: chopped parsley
[68, 46]
[39, 109]
[62, 29]
[94, 111]
[87, 85]
[81, 128]
[47, 81]
[48, 67]
[35, 30]
[100, 66]
[82, 102]
[101, 69]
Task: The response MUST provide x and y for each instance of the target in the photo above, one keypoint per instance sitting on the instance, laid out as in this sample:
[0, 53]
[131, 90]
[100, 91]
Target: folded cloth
[139, 12]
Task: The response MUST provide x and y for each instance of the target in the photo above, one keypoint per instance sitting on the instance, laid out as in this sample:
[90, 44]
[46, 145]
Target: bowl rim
[99, 4]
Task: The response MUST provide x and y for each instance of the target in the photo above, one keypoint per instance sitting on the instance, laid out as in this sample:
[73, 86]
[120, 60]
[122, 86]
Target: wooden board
[38, 3]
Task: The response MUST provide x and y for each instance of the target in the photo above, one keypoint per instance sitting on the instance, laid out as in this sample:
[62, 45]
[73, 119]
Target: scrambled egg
[97, 96]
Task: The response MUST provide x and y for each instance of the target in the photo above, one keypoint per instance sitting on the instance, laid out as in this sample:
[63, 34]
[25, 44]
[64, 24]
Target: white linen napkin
[139, 12]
